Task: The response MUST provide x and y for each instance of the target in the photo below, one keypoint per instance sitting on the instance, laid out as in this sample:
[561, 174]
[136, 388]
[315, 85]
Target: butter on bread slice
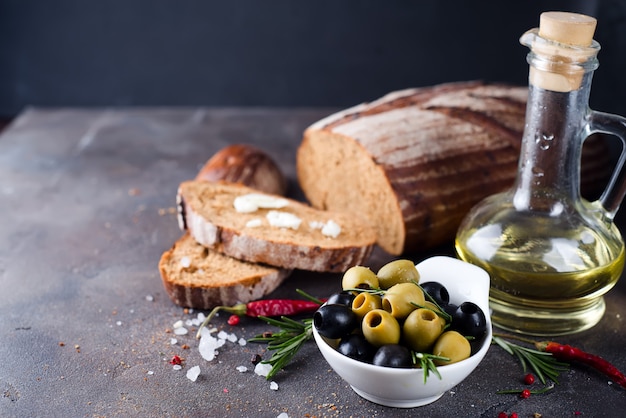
[269, 235]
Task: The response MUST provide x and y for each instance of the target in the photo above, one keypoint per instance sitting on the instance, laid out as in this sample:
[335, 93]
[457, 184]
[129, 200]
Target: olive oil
[551, 254]
[544, 281]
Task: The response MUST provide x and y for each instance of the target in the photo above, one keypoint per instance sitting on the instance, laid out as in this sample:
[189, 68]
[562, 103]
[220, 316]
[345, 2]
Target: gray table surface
[87, 198]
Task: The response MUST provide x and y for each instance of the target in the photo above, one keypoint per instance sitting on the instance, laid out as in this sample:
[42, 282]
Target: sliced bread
[285, 233]
[196, 277]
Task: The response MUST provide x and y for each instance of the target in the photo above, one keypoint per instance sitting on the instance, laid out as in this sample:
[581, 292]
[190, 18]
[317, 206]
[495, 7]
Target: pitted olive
[421, 329]
[334, 321]
[359, 277]
[397, 271]
[452, 345]
[400, 298]
[380, 328]
[437, 291]
[365, 302]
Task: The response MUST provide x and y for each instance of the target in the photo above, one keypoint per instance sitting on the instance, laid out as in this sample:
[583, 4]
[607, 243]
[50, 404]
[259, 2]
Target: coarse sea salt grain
[242, 341]
[177, 367]
[283, 415]
[242, 369]
[178, 324]
[209, 344]
[180, 331]
[262, 369]
[173, 341]
[193, 373]
[273, 385]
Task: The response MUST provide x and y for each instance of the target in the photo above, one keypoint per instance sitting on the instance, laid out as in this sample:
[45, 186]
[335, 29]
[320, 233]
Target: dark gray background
[275, 52]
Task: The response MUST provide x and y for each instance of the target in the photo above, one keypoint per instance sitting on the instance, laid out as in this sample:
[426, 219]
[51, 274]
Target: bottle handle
[600, 122]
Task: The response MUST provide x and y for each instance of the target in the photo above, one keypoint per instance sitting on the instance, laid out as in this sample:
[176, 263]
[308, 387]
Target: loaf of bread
[196, 277]
[245, 164]
[262, 228]
[416, 161]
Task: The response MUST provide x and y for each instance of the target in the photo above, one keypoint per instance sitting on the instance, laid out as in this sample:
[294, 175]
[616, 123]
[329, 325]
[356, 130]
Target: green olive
[397, 271]
[421, 329]
[365, 302]
[399, 299]
[452, 345]
[380, 328]
[359, 277]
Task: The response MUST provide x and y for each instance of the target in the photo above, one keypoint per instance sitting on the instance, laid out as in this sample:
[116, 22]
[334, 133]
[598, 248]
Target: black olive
[356, 346]
[469, 320]
[393, 355]
[437, 291]
[450, 308]
[341, 298]
[334, 321]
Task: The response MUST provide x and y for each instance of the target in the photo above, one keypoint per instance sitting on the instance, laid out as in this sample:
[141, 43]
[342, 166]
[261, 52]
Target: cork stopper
[566, 40]
[567, 28]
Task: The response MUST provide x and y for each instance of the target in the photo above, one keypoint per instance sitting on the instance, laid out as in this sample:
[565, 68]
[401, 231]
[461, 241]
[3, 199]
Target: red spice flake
[225, 390]
[61, 344]
[525, 394]
[176, 360]
[233, 320]
[184, 347]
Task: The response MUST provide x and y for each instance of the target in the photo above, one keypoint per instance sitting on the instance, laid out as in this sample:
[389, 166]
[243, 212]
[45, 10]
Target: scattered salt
[262, 369]
[208, 344]
[177, 324]
[150, 372]
[283, 415]
[180, 331]
[150, 298]
[177, 367]
[173, 341]
[242, 341]
[193, 373]
[316, 225]
[274, 385]
[242, 369]
[118, 323]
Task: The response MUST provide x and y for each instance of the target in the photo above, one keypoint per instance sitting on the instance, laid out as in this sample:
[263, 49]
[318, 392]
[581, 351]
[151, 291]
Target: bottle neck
[549, 165]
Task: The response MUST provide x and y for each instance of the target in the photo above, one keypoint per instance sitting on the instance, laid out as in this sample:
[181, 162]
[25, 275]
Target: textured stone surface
[87, 198]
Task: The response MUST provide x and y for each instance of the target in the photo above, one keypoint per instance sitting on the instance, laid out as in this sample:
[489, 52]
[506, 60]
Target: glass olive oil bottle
[550, 253]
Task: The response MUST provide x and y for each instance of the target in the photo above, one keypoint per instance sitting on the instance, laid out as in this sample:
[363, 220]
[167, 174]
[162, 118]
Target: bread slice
[207, 211]
[197, 277]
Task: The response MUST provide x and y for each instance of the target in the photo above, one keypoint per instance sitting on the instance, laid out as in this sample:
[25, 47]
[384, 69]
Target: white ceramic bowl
[405, 388]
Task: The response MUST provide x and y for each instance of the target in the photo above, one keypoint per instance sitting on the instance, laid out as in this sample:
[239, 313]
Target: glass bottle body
[550, 253]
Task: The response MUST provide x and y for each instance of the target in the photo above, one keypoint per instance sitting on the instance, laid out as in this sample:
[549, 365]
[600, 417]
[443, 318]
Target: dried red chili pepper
[565, 352]
[265, 307]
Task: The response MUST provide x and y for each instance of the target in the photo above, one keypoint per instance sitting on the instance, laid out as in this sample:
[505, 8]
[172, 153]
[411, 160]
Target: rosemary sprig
[286, 342]
[543, 364]
[426, 362]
